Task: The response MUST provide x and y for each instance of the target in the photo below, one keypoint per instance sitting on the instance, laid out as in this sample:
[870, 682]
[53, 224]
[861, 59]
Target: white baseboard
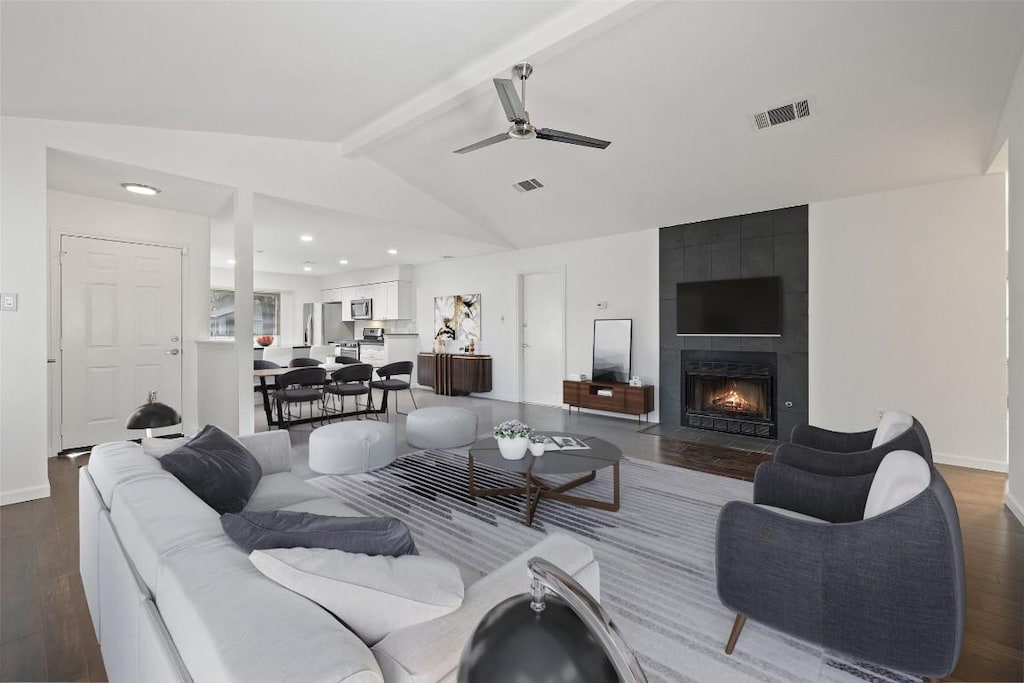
[1014, 504]
[22, 495]
[973, 463]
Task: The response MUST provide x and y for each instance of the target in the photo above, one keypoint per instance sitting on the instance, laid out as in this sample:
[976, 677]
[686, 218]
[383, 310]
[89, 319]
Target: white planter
[513, 449]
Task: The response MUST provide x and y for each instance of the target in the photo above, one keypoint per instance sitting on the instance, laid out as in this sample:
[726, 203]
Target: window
[266, 313]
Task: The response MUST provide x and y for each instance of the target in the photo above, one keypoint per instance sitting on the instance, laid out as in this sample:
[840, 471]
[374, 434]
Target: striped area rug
[656, 556]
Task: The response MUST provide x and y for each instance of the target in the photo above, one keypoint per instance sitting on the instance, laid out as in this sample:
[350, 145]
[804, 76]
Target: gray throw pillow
[286, 529]
[217, 468]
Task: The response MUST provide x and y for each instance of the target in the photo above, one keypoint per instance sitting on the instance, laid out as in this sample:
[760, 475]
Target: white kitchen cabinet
[381, 310]
[391, 300]
[331, 295]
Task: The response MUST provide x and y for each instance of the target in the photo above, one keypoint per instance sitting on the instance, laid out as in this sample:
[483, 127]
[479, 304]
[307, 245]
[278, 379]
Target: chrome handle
[172, 352]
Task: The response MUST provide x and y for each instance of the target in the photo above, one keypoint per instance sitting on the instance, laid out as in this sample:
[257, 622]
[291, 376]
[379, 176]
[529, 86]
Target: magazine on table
[558, 442]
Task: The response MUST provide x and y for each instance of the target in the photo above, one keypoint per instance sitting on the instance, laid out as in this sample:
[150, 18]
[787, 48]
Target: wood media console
[613, 397]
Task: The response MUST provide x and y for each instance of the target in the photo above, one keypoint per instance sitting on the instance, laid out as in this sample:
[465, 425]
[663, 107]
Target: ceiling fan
[522, 129]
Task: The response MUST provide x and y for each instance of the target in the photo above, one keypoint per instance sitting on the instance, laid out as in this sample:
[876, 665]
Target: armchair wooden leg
[737, 626]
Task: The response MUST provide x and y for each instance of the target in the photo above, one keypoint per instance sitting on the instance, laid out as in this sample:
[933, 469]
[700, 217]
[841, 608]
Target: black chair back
[260, 364]
[347, 360]
[353, 373]
[303, 377]
[402, 367]
[303, 363]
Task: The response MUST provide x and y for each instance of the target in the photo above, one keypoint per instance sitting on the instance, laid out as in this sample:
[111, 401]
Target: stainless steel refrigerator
[323, 324]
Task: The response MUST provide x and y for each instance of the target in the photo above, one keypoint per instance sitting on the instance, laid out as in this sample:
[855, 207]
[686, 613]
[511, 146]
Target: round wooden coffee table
[601, 454]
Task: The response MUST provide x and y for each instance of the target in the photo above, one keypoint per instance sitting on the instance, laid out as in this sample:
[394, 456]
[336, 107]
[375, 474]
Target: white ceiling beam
[562, 32]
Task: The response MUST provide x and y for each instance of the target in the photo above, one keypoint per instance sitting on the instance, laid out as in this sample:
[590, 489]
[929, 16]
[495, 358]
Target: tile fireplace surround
[753, 245]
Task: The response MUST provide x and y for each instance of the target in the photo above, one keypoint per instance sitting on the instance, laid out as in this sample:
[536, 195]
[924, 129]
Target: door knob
[172, 352]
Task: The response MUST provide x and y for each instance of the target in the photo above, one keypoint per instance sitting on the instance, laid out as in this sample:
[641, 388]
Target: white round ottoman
[440, 427]
[349, 447]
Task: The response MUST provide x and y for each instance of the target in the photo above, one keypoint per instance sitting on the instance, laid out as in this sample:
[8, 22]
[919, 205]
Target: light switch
[602, 305]
[8, 302]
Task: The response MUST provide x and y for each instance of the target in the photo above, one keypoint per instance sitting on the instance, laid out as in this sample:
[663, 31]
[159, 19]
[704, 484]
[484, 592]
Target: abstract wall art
[457, 317]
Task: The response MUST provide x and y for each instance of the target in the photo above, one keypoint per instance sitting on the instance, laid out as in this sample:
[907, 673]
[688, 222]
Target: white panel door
[120, 336]
[543, 350]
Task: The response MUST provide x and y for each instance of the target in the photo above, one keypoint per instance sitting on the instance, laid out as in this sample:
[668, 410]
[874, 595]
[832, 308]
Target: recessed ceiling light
[392, 251]
[307, 268]
[231, 261]
[139, 188]
[343, 262]
[306, 238]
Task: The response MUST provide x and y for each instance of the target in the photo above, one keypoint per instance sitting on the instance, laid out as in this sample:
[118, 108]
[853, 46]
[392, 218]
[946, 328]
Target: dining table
[329, 367]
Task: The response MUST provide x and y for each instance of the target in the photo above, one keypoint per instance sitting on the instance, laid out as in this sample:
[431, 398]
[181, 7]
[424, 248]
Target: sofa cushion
[429, 652]
[893, 423]
[901, 475]
[276, 491]
[230, 623]
[217, 468]
[372, 595]
[286, 529]
[111, 464]
[156, 515]
[324, 506]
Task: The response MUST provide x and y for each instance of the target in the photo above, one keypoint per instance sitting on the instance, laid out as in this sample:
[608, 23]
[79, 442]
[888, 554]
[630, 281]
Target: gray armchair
[822, 451]
[888, 588]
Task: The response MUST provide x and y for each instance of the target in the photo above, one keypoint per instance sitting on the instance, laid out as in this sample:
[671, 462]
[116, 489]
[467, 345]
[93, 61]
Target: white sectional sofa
[173, 599]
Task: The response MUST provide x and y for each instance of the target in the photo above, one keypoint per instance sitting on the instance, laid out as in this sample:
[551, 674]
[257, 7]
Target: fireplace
[732, 393]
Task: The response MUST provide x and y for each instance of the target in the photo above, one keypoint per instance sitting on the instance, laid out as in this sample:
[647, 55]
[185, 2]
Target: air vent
[528, 185]
[791, 111]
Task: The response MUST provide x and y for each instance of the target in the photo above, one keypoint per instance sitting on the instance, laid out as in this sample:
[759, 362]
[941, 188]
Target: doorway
[542, 336]
[120, 335]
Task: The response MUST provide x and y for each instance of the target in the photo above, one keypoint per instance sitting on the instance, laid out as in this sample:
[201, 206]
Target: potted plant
[513, 439]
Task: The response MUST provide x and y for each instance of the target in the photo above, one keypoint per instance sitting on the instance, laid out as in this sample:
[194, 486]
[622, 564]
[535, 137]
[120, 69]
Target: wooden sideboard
[454, 374]
[623, 399]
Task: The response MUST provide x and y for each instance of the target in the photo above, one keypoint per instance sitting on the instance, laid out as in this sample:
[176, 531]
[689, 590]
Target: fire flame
[733, 400]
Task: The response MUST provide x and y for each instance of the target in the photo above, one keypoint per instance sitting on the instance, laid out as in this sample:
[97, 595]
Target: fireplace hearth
[734, 394]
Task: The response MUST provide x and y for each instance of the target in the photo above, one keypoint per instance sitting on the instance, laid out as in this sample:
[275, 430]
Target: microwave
[362, 309]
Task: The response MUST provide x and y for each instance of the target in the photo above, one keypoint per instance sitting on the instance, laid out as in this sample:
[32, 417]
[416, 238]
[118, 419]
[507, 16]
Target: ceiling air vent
[527, 185]
[791, 111]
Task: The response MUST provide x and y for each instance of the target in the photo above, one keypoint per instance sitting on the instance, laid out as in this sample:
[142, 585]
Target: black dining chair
[301, 385]
[351, 381]
[303, 363]
[261, 384]
[387, 383]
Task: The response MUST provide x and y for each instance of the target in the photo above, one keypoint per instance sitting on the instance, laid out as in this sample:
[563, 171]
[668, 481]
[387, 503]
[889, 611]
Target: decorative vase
[513, 449]
[536, 448]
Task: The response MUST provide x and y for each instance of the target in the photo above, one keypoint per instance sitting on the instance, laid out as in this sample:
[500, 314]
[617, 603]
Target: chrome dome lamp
[558, 633]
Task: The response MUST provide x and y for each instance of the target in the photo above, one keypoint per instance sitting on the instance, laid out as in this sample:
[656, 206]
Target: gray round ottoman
[440, 427]
[349, 447]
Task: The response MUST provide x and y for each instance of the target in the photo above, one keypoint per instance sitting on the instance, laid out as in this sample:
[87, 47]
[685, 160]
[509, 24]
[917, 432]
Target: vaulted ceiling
[902, 94]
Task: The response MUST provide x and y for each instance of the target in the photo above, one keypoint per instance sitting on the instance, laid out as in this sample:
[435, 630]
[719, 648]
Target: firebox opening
[729, 396]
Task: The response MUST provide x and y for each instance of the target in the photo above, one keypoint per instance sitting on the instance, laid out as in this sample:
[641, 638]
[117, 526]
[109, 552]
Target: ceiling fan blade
[514, 109]
[500, 137]
[571, 138]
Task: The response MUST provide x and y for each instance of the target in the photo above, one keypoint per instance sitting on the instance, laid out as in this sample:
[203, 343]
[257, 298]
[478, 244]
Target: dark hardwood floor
[45, 629]
[47, 634]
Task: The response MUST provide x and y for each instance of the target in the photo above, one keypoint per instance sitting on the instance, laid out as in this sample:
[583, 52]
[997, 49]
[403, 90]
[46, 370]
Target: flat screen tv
[750, 307]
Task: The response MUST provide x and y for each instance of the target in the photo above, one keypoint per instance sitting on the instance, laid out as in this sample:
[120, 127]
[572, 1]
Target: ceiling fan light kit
[514, 105]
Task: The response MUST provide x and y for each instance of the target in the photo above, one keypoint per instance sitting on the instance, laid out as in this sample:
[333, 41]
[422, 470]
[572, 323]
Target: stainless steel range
[371, 348]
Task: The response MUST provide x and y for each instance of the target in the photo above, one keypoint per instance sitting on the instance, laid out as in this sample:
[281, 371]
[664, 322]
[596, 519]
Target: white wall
[622, 270]
[367, 276]
[1011, 128]
[79, 215]
[907, 310]
[295, 290]
[300, 171]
